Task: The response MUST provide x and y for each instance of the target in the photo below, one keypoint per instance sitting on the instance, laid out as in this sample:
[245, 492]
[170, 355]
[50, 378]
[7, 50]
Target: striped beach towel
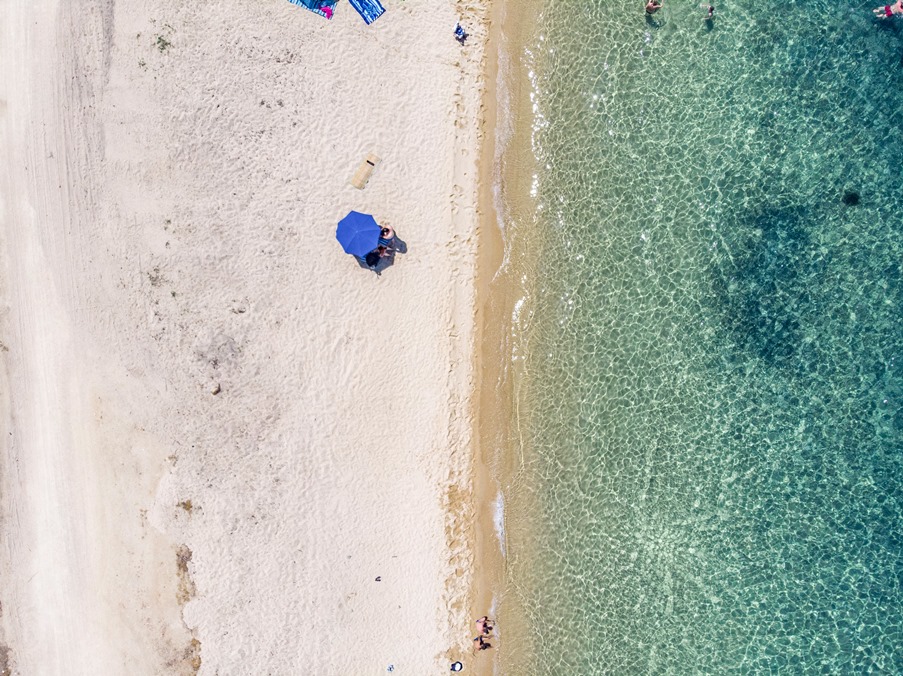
[370, 10]
[322, 7]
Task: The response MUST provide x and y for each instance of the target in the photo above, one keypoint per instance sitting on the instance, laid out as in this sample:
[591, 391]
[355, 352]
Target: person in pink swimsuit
[889, 10]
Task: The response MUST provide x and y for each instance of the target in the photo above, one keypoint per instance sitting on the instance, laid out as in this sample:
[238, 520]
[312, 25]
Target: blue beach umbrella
[358, 233]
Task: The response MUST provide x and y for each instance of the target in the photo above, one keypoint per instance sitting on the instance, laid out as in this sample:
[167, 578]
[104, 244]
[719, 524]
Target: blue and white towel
[370, 10]
[322, 7]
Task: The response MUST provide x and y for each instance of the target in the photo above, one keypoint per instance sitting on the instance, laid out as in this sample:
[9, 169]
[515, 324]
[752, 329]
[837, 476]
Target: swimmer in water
[889, 10]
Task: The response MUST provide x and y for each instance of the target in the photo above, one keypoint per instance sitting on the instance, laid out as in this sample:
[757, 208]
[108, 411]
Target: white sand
[171, 173]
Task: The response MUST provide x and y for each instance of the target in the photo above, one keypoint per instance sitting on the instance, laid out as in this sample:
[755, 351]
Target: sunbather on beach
[654, 5]
[372, 259]
[480, 643]
[386, 237]
[889, 10]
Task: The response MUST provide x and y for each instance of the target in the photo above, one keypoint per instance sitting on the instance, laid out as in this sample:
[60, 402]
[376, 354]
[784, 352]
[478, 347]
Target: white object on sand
[362, 175]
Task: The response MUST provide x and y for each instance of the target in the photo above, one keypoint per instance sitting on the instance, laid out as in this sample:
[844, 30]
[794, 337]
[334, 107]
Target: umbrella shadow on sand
[398, 247]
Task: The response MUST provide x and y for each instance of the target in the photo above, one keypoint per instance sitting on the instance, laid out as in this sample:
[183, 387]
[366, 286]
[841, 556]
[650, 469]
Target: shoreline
[507, 162]
[488, 583]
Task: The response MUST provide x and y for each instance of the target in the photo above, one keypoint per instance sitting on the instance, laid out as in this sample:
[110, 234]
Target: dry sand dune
[227, 447]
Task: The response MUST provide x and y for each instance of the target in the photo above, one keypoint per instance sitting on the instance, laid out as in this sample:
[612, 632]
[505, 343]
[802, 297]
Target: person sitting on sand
[372, 259]
[889, 10]
[383, 251]
[480, 643]
[654, 5]
[386, 237]
[484, 625]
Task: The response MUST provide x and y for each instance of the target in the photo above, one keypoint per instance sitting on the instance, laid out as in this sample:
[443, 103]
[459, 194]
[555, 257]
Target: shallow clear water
[707, 359]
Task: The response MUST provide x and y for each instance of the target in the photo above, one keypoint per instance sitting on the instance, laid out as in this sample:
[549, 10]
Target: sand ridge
[223, 431]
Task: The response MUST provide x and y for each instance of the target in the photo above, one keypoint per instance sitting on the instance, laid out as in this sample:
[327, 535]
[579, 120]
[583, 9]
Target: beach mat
[362, 175]
[322, 7]
[370, 10]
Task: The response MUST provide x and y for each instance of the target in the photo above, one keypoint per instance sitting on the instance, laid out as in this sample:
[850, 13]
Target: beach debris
[325, 8]
[391, 667]
[187, 589]
[363, 172]
[193, 654]
[370, 10]
[461, 35]
[155, 277]
[162, 39]
[379, 578]
[216, 389]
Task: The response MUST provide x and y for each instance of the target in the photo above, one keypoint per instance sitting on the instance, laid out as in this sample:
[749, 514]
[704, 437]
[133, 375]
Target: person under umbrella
[358, 233]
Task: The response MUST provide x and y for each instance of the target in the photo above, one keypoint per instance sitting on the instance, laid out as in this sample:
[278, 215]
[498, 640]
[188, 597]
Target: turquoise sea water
[707, 354]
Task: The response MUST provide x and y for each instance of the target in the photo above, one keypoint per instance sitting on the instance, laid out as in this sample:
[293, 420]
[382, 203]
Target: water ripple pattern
[711, 384]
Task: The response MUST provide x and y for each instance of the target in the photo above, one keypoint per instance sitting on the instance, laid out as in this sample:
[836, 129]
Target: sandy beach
[228, 449]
